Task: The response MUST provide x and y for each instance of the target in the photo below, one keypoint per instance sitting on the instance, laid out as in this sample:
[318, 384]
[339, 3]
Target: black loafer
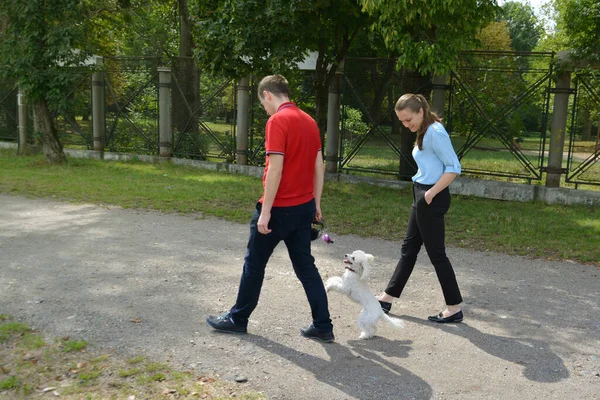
[312, 333]
[458, 317]
[224, 323]
[385, 306]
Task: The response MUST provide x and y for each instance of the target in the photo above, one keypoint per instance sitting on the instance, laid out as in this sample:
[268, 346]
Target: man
[293, 183]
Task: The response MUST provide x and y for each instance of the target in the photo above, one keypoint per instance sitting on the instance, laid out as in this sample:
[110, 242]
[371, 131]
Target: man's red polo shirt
[294, 134]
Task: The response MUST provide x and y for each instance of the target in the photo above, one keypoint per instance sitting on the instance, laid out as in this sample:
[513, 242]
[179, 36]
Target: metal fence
[203, 113]
[301, 92]
[8, 112]
[583, 161]
[498, 110]
[74, 125]
[371, 139]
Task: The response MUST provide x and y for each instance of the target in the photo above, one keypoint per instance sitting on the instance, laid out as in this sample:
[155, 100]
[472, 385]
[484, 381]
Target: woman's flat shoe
[458, 317]
[385, 306]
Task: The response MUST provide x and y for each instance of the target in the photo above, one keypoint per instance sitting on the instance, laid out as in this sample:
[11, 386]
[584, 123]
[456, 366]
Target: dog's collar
[351, 269]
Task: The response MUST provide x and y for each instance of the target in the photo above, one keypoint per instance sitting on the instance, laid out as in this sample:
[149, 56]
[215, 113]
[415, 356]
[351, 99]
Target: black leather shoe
[385, 306]
[458, 317]
[312, 333]
[224, 323]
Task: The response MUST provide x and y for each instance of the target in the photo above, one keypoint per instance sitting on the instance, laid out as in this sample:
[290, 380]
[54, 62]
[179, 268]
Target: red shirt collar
[285, 105]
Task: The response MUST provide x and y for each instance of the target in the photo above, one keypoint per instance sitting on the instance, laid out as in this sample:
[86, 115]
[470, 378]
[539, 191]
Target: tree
[495, 36]
[580, 20]
[429, 37]
[524, 27]
[576, 29]
[40, 39]
[239, 38]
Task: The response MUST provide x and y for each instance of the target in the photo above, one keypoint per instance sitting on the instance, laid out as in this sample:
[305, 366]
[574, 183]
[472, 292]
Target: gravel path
[531, 330]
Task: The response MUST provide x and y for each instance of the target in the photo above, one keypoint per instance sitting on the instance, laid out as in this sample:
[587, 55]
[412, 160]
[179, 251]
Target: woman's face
[411, 120]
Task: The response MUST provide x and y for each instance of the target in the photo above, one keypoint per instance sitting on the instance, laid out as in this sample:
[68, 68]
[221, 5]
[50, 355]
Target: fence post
[243, 106]
[333, 121]
[98, 106]
[164, 112]
[438, 95]
[23, 122]
[557, 132]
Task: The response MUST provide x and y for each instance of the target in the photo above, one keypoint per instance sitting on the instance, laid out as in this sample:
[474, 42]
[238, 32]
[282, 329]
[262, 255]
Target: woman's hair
[275, 84]
[414, 102]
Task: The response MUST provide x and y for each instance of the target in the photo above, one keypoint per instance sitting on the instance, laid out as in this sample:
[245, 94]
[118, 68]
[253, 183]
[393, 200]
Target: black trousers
[426, 226]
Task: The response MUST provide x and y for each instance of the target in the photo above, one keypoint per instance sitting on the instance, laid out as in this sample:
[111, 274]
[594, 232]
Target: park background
[517, 86]
[83, 82]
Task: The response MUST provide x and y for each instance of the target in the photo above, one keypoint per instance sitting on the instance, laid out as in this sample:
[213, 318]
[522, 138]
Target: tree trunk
[186, 97]
[321, 86]
[412, 84]
[380, 83]
[51, 146]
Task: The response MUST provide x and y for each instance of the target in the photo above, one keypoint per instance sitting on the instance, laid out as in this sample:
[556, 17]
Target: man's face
[267, 101]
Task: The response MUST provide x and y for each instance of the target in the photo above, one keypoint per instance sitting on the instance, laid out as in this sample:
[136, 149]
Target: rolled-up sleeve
[442, 147]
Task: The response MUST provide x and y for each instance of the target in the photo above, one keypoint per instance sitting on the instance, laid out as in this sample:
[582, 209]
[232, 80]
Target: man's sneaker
[312, 333]
[224, 323]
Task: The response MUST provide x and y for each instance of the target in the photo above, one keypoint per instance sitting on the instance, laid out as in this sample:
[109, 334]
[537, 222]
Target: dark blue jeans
[426, 226]
[292, 225]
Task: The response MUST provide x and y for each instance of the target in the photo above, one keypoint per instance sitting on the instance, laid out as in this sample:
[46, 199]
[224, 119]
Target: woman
[438, 165]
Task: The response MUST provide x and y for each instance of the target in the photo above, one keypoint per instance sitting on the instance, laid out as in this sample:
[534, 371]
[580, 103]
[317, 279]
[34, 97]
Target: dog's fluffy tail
[395, 322]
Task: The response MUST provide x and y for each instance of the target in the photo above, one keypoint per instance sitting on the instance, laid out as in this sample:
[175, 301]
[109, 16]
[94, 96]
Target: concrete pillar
[243, 107]
[438, 95]
[164, 112]
[557, 132]
[333, 122]
[98, 107]
[23, 122]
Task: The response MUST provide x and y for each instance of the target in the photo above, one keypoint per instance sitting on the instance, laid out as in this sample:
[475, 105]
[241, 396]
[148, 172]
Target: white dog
[353, 284]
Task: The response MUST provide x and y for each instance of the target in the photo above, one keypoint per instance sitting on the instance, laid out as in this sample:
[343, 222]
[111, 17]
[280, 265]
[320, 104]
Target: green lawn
[529, 229]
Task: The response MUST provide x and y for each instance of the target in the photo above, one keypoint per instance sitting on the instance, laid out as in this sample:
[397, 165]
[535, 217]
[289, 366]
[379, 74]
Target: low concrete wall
[462, 186]
[496, 190]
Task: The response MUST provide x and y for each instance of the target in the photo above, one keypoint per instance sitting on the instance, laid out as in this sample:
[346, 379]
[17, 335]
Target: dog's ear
[370, 257]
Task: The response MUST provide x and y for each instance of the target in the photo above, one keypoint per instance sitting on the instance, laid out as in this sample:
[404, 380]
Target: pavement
[140, 282]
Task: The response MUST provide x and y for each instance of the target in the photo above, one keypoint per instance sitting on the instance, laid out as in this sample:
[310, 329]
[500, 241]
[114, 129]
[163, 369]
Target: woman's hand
[429, 196]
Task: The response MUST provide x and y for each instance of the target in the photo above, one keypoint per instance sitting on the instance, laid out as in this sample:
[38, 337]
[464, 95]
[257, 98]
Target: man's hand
[318, 215]
[263, 223]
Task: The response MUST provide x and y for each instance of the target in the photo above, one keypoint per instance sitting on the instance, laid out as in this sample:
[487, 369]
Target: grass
[81, 373]
[529, 229]
[488, 155]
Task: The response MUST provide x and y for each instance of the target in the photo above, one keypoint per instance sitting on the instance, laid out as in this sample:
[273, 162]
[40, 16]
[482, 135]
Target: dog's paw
[365, 336]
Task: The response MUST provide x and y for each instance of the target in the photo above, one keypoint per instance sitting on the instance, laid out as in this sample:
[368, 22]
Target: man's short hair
[275, 84]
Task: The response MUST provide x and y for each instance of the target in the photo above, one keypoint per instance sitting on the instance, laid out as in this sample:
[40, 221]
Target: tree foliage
[40, 39]
[580, 20]
[495, 36]
[524, 26]
[429, 35]
[577, 23]
[238, 38]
